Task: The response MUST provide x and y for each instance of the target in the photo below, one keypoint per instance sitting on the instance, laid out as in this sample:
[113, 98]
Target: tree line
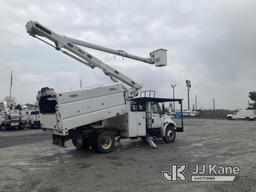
[252, 96]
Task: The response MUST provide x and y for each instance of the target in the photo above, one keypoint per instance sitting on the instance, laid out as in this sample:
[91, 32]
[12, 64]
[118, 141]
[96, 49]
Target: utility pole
[173, 95]
[213, 103]
[10, 94]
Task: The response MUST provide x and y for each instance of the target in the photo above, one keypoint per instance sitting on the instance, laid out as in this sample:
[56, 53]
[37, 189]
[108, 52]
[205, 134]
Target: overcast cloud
[212, 43]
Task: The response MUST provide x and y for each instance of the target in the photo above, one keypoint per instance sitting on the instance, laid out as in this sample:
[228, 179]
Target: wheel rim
[170, 134]
[106, 142]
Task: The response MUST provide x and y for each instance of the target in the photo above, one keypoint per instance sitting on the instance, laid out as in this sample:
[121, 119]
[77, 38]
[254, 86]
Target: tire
[229, 118]
[170, 134]
[79, 141]
[104, 142]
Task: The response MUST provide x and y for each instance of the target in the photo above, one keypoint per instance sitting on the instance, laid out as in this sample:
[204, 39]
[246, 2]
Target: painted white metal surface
[132, 124]
[92, 117]
[138, 121]
[83, 107]
[49, 121]
[158, 121]
[160, 57]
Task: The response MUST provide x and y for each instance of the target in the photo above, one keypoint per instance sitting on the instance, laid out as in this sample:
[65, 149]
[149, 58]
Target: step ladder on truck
[95, 117]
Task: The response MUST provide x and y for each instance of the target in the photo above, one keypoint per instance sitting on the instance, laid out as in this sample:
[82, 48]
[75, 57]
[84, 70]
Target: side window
[159, 108]
[136, 107]
[155, 108]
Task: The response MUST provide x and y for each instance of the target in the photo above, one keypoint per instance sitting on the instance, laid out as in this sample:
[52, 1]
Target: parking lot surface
[29, 162]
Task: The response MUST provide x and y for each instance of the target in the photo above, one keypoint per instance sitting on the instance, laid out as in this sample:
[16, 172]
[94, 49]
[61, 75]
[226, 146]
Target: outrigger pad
[151, 142]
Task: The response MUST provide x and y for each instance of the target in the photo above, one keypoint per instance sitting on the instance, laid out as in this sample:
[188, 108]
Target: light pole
[188, 85]
[196, 102]
[173, 95]
[188, 98]
[10, 94]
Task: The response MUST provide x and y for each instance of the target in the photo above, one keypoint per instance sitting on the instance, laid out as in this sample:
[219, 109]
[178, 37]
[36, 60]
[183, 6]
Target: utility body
[94, 117]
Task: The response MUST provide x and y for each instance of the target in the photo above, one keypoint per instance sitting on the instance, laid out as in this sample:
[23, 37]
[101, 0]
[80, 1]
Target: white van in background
[34, 119]
[243, 114]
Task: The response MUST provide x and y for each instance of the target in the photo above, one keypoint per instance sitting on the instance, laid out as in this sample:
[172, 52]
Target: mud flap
[58, 140]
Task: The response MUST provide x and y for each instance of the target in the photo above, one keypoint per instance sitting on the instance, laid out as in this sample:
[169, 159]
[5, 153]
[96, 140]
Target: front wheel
[104, 142]
[170, 134]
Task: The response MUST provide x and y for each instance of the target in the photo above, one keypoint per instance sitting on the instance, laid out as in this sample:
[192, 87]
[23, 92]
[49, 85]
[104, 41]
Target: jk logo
[176, 172]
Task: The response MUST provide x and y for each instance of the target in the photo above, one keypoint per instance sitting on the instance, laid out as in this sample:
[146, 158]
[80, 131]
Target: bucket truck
[9, 118]
[95, 117]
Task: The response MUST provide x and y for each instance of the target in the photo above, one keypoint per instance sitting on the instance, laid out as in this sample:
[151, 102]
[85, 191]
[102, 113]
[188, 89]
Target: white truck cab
[34, 119]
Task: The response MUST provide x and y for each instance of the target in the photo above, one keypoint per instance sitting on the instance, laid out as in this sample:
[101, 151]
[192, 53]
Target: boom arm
[71, 49]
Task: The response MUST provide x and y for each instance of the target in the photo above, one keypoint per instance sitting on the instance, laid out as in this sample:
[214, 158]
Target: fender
[167, 121]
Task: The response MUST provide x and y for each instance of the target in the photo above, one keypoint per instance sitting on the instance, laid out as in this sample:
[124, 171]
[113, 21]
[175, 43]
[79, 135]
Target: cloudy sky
[212, 43]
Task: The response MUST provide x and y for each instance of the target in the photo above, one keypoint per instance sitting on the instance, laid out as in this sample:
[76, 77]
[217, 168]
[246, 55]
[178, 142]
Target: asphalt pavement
[29, 162]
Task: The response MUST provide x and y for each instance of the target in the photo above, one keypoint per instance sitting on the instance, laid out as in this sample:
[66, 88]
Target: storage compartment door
[137, 124]
[141, 123]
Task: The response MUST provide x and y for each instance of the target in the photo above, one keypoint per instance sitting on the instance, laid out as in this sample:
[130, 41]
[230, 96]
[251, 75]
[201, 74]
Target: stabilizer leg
[151, 142]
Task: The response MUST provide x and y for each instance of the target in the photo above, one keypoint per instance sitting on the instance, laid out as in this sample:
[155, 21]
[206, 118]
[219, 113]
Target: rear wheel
[170, 134]
[104, 142]
[79, 141]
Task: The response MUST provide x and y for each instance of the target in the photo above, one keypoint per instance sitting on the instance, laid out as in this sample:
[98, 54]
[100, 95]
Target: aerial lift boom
[70, 46]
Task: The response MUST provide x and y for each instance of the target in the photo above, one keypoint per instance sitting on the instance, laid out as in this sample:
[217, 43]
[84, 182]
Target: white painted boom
[158, 57]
